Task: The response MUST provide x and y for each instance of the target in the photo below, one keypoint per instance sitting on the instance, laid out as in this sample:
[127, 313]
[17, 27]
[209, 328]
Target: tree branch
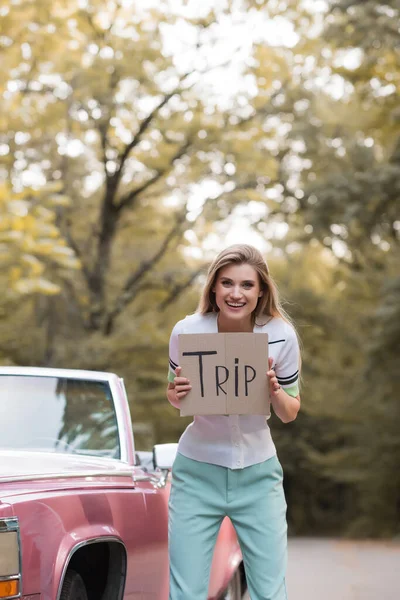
[179, 288]
[131, 286]
[144, 125]
[73, 244]
[129, 198]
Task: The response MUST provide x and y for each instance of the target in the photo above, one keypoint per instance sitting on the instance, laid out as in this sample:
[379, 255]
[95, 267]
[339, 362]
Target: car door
[143, 524]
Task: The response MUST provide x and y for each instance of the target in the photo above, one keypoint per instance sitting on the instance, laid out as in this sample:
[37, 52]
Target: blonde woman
[227, 465]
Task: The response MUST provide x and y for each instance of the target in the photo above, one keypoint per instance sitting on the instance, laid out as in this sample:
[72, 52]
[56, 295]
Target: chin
[237, 315]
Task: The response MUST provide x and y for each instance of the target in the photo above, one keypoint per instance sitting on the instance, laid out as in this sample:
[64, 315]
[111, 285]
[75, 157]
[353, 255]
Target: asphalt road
[321, 569]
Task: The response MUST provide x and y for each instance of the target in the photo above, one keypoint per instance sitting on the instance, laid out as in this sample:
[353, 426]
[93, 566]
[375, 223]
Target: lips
[236, 304]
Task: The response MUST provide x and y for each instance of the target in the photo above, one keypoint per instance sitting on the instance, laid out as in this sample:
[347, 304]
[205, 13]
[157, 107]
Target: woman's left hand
[273, 380]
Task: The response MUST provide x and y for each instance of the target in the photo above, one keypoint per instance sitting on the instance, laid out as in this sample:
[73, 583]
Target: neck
[229, 326]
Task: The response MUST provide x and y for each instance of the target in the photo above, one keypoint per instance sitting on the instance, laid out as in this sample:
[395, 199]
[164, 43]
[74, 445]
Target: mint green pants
[203, 494]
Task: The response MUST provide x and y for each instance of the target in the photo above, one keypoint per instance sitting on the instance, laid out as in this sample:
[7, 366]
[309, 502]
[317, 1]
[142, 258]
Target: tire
[234, 591]
[73, 587]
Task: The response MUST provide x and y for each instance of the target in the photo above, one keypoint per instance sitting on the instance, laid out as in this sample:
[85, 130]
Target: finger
[178, 371]
[181, 381]
[183, 386]
[182, 393]
[182, 389]
[270, 362]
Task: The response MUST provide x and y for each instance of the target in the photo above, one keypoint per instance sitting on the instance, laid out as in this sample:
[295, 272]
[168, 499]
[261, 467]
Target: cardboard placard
[227, 372]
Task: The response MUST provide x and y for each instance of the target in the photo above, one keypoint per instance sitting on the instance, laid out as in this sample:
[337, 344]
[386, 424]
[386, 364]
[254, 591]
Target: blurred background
[137, 139]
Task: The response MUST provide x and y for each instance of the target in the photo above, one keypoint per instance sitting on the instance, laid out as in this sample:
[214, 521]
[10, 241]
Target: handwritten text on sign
[227, 372]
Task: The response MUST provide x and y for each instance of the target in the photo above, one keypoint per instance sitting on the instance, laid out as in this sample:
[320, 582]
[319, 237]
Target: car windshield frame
[67, 387]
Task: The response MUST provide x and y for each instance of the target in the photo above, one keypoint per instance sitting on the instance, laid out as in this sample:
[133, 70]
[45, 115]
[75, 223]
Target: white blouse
[237, 441]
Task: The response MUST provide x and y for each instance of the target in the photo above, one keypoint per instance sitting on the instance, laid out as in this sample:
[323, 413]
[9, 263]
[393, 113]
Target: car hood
[15, 464]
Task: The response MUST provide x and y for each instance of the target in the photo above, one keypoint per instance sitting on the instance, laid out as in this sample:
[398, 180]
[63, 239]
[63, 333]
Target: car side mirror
[164, 455]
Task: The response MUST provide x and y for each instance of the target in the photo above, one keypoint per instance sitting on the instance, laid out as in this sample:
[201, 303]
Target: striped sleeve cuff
[290, 380]
[172, 364]
[290, 384]
[171, 372]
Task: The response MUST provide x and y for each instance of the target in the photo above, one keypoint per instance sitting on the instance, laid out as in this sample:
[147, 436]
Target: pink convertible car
[79, 518]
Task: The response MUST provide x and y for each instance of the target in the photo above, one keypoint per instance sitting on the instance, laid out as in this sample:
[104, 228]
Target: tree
[348, 201]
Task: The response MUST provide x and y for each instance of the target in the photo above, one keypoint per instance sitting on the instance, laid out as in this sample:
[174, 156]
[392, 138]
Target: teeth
[235, 305]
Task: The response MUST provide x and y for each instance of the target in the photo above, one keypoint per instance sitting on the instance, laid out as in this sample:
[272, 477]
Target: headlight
[10, 559]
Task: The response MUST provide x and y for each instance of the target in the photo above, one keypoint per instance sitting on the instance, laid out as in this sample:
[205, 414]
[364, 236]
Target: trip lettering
[222, 374]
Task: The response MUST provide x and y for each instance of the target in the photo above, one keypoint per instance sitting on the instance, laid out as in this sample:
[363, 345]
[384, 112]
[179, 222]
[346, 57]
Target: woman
[227, 465]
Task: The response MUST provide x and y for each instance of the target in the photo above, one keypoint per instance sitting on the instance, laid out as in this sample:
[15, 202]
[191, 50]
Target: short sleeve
[287, 367]
[173, 352]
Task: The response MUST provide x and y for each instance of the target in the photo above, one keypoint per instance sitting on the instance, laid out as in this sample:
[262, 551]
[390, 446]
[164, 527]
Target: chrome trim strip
[9, 524]
[123, 442]
[158, 482]
[127, 419]
[146, 478]
[49, 372]
[81, 545]
[69, 475]
[12, 524]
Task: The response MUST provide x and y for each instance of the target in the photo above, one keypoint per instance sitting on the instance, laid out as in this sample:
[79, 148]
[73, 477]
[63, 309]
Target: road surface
[325, 569]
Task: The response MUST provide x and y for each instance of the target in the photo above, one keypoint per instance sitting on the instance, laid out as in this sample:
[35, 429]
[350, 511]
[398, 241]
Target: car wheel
[234, 590]
[73, 587]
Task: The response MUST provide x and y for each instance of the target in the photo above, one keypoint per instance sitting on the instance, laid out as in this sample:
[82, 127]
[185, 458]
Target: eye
[248, 284]
[225, 282]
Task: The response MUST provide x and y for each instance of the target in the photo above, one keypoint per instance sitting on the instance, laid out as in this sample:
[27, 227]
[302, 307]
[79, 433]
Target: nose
[236, 293]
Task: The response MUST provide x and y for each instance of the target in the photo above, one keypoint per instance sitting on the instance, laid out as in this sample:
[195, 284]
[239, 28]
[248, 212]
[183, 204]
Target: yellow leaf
[15, 274]
[35, 265]
[45, 286]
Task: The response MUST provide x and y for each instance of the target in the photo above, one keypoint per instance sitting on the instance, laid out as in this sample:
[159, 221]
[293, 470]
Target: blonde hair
[268, 304]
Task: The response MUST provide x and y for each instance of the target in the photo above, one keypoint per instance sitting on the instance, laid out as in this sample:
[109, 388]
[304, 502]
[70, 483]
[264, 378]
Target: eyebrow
[244, 281]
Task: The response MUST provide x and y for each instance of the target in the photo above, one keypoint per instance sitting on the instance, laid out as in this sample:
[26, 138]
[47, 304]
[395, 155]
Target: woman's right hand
[182, 385]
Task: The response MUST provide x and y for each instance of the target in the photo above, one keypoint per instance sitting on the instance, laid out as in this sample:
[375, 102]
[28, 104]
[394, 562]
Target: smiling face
[237, 290]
